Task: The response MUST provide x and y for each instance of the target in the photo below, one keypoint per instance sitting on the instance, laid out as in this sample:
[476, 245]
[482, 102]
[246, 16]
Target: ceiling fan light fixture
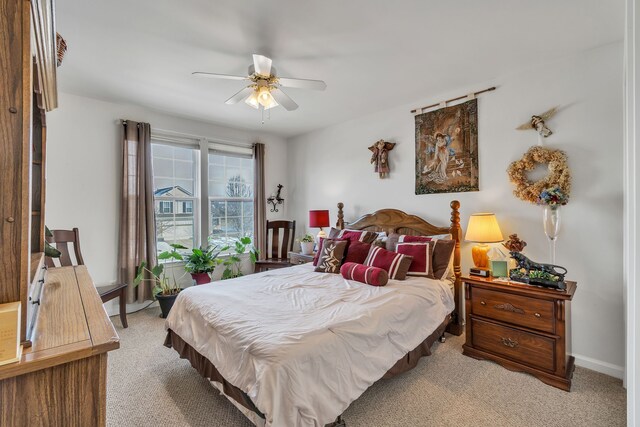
[252, 100]
[265, 98]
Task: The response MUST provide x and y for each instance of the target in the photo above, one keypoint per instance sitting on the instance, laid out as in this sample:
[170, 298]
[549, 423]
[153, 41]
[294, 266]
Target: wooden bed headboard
[397, 221]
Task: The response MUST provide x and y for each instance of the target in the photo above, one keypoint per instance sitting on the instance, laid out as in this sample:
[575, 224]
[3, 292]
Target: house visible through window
[180, 183]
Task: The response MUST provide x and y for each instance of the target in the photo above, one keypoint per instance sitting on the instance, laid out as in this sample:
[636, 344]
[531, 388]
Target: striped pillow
[361, 273]
[360, 235]
[422, 264]
[393, 263]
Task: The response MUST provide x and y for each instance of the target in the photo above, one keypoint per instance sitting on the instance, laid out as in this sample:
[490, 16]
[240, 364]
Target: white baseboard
[600, 366]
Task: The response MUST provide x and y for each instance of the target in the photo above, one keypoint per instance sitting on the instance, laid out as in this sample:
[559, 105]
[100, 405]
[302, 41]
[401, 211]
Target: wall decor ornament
[274, 199]
[380, 157]
[537, 122]
[447, 149]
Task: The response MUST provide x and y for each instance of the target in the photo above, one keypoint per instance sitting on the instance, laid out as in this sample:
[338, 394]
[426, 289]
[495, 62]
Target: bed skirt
[209, 371]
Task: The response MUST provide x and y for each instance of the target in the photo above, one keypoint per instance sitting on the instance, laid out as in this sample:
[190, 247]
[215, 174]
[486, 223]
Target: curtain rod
[161, 133]
[415, 110]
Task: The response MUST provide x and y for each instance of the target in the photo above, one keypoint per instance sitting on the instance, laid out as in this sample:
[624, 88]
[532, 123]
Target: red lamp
[319, 218]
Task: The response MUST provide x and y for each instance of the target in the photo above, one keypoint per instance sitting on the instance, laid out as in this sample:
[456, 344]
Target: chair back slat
[62, 240]
[274, 247]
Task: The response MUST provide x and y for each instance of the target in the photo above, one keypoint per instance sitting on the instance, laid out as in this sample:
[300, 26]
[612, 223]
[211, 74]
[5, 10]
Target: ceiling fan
[265, 91]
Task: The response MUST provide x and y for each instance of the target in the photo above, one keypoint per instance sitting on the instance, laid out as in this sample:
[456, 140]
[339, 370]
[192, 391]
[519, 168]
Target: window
[230, 197]
[175, 183]
[181, 189]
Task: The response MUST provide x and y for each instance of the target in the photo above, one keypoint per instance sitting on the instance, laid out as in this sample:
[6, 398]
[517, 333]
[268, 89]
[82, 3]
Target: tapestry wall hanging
[447, 149]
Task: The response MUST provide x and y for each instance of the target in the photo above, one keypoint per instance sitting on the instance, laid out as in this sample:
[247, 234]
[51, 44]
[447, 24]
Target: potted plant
[166, 288]
[201, 262]
[232, 263]
[307, 242]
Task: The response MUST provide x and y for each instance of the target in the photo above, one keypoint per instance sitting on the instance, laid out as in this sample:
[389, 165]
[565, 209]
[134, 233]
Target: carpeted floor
[148, 385]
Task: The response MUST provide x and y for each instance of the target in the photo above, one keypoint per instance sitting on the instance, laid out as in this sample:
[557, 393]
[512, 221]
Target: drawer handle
[508, 307]
[537, 315]
[509, 342]
[483, 303]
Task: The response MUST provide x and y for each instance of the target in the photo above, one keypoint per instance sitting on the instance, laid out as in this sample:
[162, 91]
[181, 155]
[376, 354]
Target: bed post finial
[340, 222]
[455, 327]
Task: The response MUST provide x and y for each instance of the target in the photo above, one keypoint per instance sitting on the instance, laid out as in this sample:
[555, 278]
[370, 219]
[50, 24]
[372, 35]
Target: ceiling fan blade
[283, 99]
[302, 83]
[239, 96]
[262, 65]
[218, 76]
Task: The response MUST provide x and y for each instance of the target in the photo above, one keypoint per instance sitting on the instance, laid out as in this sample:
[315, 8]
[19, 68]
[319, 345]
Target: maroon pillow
[395, 238]
[394, 263]
[357, 251]
[351, 235]
[361, 273]
[422, 264]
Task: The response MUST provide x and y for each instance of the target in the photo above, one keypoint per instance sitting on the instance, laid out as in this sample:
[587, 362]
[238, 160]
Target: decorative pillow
[443, 258]
[361, 235]
[316, 257]
[361, 273]
[394, 263]
[331, 255]
[395, 238]
[422, 264]
[357, 252]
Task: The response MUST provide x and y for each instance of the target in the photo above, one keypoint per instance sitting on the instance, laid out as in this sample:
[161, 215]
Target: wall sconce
[275, 199]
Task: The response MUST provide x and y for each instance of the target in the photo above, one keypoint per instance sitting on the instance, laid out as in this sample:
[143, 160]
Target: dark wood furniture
[523, 328]
[66, 334]
[277, 250]
[297, 258]
[63, 240]
[396, 221]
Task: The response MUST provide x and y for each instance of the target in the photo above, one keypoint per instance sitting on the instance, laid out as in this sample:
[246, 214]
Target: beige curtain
[260, 201]
[137, 221]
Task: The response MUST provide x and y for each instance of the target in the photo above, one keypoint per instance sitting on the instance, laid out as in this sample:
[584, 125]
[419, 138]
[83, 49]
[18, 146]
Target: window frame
[200, 209]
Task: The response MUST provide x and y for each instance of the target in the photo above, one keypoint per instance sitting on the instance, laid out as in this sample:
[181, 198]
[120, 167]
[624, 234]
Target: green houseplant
[166, 288]
[232, 263]
[306, 244]
[201, 262]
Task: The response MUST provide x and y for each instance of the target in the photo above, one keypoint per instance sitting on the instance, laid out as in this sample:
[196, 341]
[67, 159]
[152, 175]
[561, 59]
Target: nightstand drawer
[296, 258]
[524, 347]
[516, 309]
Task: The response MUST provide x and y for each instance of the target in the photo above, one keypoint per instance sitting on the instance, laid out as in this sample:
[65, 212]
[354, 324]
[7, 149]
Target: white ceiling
[372, 54]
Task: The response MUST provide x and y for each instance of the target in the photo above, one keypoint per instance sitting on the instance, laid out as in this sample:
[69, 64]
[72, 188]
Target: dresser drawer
[520, 346]
[516, 309]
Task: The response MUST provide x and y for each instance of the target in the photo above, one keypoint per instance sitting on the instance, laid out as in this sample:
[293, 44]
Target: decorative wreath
[559, 173]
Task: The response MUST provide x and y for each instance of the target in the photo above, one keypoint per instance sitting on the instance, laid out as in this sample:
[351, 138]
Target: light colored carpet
[148, 385]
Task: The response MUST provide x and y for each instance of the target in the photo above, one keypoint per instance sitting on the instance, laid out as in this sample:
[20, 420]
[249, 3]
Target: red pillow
[394, 263]
[357, 252]
[422, 264]
[351, 235]
[361, 273]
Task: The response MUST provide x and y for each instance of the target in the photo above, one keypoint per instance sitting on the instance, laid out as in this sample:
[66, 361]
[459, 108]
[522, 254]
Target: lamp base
[479, 255]
[321, 234]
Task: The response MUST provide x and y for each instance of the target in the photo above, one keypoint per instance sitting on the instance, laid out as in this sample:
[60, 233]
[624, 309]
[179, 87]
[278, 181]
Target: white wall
[84, 164]
[632, 208]
[332, 165]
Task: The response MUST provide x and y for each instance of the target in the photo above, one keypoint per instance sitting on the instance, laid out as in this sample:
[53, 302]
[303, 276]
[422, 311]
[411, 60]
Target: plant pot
[201, 278]
[307, 247]
[166, 302]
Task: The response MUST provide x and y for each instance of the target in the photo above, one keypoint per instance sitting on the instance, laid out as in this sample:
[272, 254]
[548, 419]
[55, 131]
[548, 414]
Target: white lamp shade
[483, 228]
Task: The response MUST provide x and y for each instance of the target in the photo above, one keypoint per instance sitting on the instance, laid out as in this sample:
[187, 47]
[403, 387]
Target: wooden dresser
[61, 378]
[523, 328]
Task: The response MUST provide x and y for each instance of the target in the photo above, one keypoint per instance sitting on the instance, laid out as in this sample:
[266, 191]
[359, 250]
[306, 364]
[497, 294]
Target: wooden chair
[277, 256]
[61, 240]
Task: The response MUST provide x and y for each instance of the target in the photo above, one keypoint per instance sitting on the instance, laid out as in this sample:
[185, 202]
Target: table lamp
[319, 218]
[483, 228]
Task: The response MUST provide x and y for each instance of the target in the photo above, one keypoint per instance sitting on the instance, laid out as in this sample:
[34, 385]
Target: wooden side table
[296, 258]
[522, 327]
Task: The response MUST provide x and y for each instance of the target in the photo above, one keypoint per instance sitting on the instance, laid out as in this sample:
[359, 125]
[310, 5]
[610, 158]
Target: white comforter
[304, 345]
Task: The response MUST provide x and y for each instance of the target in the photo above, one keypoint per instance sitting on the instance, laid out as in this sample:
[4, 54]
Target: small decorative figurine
[380, 156]
[514, 244]
[533, 273]
[538, 123]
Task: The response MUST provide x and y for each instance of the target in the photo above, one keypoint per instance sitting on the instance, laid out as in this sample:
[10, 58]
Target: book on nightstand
[10, 348]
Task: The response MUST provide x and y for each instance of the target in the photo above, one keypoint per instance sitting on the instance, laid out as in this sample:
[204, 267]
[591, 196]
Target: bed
[292, 347]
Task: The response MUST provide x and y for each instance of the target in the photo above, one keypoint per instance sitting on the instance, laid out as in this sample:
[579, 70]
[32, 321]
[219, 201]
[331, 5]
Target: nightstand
[296, 258]
[522, 327]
